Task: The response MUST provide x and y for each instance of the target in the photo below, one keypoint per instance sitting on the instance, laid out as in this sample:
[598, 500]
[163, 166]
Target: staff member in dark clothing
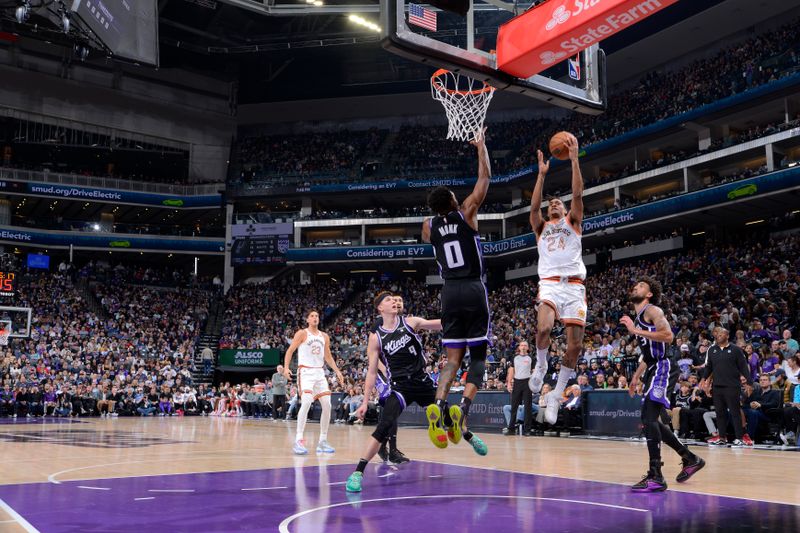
[725, 363]
[518, 376]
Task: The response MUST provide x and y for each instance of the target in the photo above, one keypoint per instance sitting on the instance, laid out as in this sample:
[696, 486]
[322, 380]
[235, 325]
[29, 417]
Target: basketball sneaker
[454, 431]
[383, 453]
[396, 457]
[354, 482]
[435, 432]
[690, 466]
[478, 445]
[553, 403]
[747, 441]
[324, 447]
[653, 481]
[650, 483]
[716, 440]
[299, 447]
[537, 379]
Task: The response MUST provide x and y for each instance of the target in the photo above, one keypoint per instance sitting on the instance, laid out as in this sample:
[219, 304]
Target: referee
[518, 376]
[725, 363]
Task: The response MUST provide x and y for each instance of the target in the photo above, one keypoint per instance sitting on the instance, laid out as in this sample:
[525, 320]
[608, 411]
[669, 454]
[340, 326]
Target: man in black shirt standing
[725, 363]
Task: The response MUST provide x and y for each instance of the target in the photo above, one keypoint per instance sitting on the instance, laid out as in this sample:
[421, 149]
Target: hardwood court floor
[56, 452]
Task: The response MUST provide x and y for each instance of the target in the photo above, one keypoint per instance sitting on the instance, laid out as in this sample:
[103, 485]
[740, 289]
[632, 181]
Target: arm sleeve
[709, 365]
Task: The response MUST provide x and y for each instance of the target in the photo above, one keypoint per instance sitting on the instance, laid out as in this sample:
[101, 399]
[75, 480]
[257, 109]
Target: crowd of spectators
[134, 355]
[422, 149]
[302, 155]
[266, 315]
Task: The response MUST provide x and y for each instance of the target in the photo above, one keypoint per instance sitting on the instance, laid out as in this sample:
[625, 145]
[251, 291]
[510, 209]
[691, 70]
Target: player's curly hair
[440, 200]
[655, 289]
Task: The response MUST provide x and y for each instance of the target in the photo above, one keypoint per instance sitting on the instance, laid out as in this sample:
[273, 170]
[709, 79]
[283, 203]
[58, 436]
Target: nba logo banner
[574, 66]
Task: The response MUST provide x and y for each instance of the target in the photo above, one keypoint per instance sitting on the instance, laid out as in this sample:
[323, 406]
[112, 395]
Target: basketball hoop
[465, 102]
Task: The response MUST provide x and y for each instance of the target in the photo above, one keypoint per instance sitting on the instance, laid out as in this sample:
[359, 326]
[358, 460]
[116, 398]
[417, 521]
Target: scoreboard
[8, 284]
[260, 244]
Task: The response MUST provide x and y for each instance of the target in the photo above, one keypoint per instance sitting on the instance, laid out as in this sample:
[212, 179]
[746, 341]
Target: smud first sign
[251, 357]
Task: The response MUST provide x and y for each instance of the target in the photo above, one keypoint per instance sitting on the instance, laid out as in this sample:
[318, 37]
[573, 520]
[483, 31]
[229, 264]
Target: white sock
[302, 417]
[541, 359]
[325, 421]
[563, 378]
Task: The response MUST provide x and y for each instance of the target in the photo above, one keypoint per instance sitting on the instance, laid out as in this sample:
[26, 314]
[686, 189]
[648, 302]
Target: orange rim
[439, 86]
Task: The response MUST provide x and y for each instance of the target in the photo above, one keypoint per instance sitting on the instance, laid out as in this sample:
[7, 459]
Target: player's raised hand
[480, 139]
[572, 145]
[544, 166]
[627, 322]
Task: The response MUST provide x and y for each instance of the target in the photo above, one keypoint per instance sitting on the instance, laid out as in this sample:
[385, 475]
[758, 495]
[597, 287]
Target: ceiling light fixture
[361, 21]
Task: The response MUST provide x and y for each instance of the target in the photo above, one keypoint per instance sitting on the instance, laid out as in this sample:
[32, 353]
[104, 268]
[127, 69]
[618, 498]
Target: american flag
[422, 17]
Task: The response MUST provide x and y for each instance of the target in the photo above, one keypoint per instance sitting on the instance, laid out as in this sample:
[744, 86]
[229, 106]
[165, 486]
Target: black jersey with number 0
[457, 247]
[401, 351]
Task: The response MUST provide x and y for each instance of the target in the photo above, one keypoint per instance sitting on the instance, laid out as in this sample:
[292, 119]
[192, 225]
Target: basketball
[558, 145]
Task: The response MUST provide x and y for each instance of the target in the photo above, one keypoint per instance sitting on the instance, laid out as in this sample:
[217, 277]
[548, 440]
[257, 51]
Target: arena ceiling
[277, 50]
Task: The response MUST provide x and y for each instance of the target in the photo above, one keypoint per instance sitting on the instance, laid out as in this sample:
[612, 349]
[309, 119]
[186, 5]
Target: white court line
[52, 477]
[388, 474]
[141, 499]
[338, 483]
[676, 489]
[17, 518]
[437, 475]
[170, 490]
[267, 488]
[93, 488]
[284, 525]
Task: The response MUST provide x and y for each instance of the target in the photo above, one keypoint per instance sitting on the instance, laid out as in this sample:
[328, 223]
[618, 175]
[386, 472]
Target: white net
[4, 335]
[465, 101]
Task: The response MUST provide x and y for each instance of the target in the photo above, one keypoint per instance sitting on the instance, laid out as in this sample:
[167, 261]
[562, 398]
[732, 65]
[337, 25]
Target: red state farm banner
[557, 29]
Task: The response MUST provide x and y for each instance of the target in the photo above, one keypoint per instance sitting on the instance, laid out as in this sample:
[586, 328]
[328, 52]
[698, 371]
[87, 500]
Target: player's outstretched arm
[418, 323]
[536, 198]
[372, 374]
[474, 201]
[330, 360]
[298, 339]
[576, 206]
